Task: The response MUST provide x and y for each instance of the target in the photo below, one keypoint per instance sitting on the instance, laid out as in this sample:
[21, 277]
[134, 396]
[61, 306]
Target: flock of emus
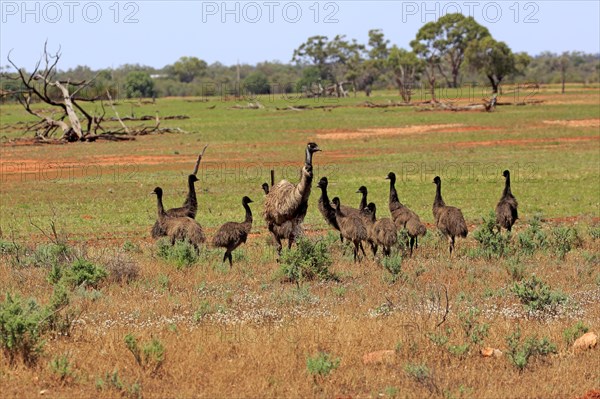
[286, 205]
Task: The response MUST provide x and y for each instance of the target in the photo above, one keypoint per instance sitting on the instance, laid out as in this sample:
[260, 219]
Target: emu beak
[357, 191]
[317, 149]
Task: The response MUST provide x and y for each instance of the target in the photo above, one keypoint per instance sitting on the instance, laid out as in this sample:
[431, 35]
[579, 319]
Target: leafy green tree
[454, 33]
[492, 58]
[406, 68]
[310, 77]
[314, 52]
[139, 84]
[257, 83]
[426, 47]
[186, 69]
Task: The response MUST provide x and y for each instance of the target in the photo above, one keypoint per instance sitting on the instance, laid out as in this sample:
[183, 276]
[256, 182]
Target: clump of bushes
[393, 264]
[536, 295]
[322, 364]
[21, 329]
[520, 351]
[533, 238]
[149, 356]
[309, 260]
[492, 243]
[563, 239]
[182, 253]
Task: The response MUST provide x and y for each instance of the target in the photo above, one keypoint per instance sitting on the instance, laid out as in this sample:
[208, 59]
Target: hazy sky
[104, 34]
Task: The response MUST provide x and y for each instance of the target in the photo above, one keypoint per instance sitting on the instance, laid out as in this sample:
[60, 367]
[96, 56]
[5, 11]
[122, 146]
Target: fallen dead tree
[67, 120]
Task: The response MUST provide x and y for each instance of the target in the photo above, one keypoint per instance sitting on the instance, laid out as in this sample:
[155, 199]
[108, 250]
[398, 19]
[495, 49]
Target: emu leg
[356, 245]
[362, 249]
[230, 259]
[276, 239]
[412, 243]
[451, 246]
[374, 249]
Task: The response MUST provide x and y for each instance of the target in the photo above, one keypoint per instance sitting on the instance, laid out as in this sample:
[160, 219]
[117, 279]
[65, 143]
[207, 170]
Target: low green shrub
[536, 295]
[322, 364]
[308, 260]
[520, 351]
[182, 253]
[570, 334]
[533, 238]
[150, 356]
[492, 243]
[84, 272]
[21, 329]
[563, 240]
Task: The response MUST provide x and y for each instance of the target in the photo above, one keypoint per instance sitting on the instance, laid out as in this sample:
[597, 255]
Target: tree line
[454, 50]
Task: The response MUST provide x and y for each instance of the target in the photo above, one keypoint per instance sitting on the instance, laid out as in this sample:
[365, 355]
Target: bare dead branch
[447, 307]
[198, 161]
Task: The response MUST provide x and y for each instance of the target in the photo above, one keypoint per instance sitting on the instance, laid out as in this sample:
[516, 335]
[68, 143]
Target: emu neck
[507, 192]
[393, 192]
[438, 202]
[338, 210]
[373, 215]
[161, 209]
[325, 198]
[248, 213]
[363, 202]
[191, 197]
[308, 159]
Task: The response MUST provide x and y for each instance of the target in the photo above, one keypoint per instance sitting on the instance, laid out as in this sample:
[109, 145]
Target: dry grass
[255, 332]
[243, 332]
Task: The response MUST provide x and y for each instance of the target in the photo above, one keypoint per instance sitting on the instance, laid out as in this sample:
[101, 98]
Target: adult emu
[448, 219]
[506, 210]
[289, 202]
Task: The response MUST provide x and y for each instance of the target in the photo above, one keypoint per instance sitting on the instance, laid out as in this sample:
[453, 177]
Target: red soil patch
[561, 140]
[575, 123]
[390, 131]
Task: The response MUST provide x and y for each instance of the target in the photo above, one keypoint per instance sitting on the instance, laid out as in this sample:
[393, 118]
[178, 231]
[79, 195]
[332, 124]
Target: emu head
[323, 182]
[265, 188]
[362, 190]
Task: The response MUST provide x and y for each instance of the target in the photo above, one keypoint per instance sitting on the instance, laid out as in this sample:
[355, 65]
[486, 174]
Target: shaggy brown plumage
[404, 217]
[382, 232]
[448, 219]
[351, 226]
[506, 210]
[178, 228]
[289, 202]
[233, 234]
[188, 209]
[285, 230]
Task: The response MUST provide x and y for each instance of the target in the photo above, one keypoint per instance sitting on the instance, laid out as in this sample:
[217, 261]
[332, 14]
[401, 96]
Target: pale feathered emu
[404, 217]
[286, 230]
[233, 234]
[176, 227]
[382, 232]
[448, 219]
[506, 210]
[188, 209]
[289, 202]
[352, 226]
